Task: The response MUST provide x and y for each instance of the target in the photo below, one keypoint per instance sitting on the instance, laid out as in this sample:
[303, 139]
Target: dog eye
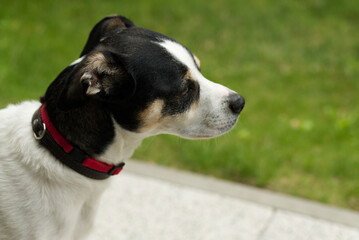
[188, 89]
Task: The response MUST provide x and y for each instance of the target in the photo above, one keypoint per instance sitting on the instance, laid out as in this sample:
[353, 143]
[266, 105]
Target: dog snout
[236, 103]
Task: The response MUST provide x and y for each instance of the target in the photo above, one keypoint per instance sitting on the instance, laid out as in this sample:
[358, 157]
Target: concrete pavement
[151, 202]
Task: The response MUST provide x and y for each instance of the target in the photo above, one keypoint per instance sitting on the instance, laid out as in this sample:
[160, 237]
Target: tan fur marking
[188, 74]
[114, 23]
[98, 61]
[197, 61]
[150, 117]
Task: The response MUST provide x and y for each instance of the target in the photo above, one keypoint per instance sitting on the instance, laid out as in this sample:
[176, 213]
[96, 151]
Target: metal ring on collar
[40, 134]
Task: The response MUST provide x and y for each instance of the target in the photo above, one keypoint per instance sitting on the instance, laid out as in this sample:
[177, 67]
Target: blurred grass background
[295, 62]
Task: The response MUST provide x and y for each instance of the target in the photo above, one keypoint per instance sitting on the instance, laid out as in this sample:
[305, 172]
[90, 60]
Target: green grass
[296, 63]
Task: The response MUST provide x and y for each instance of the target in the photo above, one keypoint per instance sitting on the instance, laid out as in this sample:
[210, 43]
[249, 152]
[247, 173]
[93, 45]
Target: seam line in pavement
[267, 225]
[247, 193]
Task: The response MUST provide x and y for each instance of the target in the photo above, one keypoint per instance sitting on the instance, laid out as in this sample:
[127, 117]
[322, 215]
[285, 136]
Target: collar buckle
[38, 129]
[48, 136]
[116, 167]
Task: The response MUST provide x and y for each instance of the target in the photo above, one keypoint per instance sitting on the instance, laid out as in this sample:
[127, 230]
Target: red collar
[49, 137]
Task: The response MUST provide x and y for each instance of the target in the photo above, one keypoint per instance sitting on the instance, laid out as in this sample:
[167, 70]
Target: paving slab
[292, 226]
[151, 202]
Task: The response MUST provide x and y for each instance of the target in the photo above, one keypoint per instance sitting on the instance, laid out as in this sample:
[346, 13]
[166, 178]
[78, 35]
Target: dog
[57, 155]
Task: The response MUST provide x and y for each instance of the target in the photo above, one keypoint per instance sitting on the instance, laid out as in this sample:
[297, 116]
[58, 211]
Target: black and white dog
[129, 83]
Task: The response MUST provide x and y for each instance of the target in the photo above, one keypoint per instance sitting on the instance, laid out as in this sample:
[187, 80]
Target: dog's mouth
[210, 130]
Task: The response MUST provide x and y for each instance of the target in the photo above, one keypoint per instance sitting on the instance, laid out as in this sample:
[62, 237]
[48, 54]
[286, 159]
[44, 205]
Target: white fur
[125, 143]
[42, 199]
[77, 60]
[39, 197]
[212, 117]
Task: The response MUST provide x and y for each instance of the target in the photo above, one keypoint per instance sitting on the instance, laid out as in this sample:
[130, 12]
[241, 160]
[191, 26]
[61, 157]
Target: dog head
[148, 82]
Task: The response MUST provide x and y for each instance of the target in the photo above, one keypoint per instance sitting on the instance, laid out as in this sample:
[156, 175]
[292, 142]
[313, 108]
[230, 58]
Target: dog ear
[101, 76]
[104, 28]
[105, 77]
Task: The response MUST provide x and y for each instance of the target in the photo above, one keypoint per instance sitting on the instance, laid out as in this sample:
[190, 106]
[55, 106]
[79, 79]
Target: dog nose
[236, 103]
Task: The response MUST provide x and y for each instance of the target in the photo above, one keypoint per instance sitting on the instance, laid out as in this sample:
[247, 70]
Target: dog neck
[122, 147]
[92, 129]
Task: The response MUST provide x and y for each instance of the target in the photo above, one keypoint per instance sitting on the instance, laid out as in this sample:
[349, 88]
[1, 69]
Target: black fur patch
[139, 72]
